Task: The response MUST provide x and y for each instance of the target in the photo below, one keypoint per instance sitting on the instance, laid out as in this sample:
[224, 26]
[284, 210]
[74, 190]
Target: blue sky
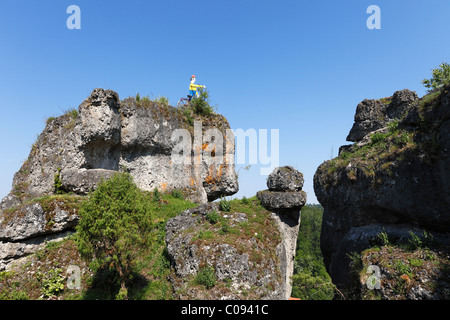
[297, 66]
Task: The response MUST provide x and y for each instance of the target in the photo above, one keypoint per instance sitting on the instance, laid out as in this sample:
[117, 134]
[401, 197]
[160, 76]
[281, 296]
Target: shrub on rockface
[440, 77]
[201, 105]
[113, 222]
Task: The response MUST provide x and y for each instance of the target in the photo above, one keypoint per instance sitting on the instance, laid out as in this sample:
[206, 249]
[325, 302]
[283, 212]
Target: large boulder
[243, 265]
[254, 259]
[374, 114]
[398, 182]
[285, 179]
[29, 226]
[285, 199]
[105, 135]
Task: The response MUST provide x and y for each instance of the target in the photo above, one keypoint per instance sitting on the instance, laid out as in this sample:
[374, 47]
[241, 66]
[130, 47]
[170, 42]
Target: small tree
[201, 105]
[441, 77]
[113, 223]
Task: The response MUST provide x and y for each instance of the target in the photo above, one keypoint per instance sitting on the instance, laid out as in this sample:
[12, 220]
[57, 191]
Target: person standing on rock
[193, 93]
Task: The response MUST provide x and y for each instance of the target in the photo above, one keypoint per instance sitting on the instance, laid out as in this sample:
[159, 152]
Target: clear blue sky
[297, 66]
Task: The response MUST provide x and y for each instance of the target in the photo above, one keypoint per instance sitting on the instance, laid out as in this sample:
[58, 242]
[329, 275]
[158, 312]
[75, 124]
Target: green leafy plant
[213, 217]
[177, 194]
[377, 137]
[53, 283]
[72, 112]
[162, 101]
[414, 242]
[206, 276]
[57, 183]
[201, 105]
[383, 238]
[113, 222]
[224, 205]
[392, 126]
[156, 195]
[49, 120]
[440, 77]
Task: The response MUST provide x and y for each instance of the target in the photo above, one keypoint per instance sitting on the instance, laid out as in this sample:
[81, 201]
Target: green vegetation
[57, 183]
[162, 101]
[156, 195]
[417, 261]
[146, 101]
[49, 120]
[11, 289]
[206, 276]
[382, 239]
[121, 251]
[72, 114]
[213, 217]
[377, 156]
[201, 105]
[197, 107]
[52, 283]
[311, 280]
[224, 205]
[440, 77]
[177, 194]
[116, 218]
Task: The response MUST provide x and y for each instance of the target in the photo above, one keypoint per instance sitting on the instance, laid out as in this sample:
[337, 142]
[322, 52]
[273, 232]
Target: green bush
[53, 284]
[201, 105]
[440, 77]
[224, 205]
[382, 238]
[156, 195]
[393, 126]
[57, 183]
[206, 276]
[115, 221]
[377, 137]
[213, 217]
[177, 194]
[310, 280]
[72, 112]
[414, 242]
[162, 101]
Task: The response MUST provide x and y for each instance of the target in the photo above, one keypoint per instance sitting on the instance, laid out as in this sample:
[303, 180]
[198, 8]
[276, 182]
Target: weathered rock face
[27, 228]
[394, 178]
[107, 135]
[375, 114]
[285, 179]
[285, 200]
[244, 265]
[254, 259]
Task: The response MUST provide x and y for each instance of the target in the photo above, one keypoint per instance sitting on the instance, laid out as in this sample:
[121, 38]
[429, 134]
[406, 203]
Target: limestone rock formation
[395, 177]
[285, 200]
[244, 265]
[254, 259]
[285, 179]
[375, 113]
[105, 135]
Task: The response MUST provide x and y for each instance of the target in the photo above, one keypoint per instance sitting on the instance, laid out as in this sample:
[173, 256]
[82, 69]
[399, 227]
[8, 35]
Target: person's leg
[191, 94]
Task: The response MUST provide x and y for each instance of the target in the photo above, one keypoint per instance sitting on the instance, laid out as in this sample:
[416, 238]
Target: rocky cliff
[394, 178]
[242, 251]
[105, 135]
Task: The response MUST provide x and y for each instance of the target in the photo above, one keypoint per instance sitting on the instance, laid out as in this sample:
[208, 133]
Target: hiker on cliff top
[193, 93]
